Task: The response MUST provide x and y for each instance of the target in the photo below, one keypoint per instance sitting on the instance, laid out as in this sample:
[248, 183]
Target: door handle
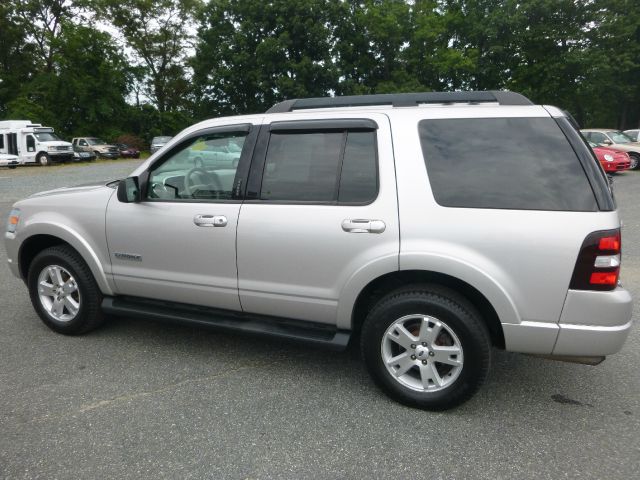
[361, 225]
[210, 220]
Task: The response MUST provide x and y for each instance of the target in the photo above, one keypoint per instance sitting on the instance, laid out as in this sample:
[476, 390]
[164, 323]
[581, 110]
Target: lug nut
[424, 362]
[413, 357]
[424, 344]
[413, 345]
[431, 354]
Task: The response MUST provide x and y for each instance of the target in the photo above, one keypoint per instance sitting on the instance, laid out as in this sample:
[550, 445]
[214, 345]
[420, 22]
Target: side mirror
[129, 190]
[606, 141]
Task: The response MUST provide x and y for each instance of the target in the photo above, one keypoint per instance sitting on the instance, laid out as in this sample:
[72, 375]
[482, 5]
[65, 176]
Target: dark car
[82, 155]
[128, 152]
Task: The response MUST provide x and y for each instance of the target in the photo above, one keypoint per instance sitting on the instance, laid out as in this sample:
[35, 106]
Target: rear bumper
[591, 324]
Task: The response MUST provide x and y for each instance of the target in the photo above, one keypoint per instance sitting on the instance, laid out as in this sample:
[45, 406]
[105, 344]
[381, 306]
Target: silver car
[158, 142]
[394, 221]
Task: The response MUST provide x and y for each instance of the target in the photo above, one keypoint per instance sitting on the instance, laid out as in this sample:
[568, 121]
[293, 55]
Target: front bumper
[109, 155]
[11, 246]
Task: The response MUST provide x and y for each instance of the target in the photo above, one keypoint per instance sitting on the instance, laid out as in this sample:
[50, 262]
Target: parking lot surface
[138, 399]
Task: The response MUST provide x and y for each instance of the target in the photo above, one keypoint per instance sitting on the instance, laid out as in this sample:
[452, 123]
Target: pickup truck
[97, 146]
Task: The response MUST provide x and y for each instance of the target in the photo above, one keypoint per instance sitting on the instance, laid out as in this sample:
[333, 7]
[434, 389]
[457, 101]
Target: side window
[597, 137]
[2, 141]
[321, 167]
[31, 143]
[203, 168]
[83, 143]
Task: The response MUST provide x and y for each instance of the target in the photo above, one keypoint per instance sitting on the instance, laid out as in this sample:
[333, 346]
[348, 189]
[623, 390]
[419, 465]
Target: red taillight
[610, 243]
[598, 263]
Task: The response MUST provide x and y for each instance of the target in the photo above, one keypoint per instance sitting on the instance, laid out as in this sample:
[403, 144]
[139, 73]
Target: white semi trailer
[33, 143]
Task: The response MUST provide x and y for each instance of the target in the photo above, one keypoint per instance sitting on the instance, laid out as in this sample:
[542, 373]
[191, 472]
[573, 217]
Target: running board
[295, 330]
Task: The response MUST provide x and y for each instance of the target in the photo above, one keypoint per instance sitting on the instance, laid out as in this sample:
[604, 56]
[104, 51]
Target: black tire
[634, 157]
[446, 306]
[89, 315]
[43, 159]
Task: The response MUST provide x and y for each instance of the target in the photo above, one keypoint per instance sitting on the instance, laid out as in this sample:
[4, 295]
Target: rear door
[321, 204]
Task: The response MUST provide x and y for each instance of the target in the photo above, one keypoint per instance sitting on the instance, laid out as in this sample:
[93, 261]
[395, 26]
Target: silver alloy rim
[59, 294]
[422, 353]
[634, 162]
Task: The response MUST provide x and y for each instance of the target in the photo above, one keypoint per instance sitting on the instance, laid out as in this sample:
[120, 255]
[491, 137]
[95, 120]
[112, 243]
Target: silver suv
[427, 227]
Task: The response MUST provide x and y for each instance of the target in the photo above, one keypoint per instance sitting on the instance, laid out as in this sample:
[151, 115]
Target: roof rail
[402, 100]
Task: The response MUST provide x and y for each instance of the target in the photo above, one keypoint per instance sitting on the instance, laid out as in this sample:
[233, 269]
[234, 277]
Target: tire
[97, 154]
[635, 161]
[73, 271]
[463, 342]
[43, 159]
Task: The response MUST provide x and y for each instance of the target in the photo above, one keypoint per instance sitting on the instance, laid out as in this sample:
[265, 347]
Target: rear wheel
[64, 292]
[635, 161]
[426, 346]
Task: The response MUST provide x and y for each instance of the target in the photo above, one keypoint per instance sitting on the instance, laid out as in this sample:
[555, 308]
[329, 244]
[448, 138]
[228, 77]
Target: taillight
[598, 264]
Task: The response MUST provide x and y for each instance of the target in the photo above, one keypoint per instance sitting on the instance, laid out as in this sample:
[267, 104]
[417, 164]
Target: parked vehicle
[615, 139]
[158, 142]
[32, 143]
[97, 146]
[611, 160]
[216, 153]
[10, 161]
[128, 152]
[80, 155]
[633, 134]
[395, 220]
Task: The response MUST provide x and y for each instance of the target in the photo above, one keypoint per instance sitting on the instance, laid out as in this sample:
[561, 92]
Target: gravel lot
[139, 399]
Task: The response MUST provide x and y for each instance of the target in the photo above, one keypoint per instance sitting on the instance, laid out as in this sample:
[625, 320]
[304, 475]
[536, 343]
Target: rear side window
[322, 167]
[505, 163]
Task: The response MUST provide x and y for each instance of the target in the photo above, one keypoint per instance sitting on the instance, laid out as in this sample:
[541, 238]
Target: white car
[10, 161]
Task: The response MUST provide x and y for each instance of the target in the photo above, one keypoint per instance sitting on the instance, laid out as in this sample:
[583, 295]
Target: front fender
[79, 238]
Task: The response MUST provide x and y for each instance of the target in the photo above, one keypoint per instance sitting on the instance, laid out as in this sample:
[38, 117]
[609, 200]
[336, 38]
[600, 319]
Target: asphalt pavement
[138, 399]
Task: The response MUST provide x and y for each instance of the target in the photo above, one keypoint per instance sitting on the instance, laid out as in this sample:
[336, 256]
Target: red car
[612, 160]
[128, 152]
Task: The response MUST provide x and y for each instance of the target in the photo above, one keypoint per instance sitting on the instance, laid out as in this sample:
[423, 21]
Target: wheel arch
[393, 280]
[51, 236]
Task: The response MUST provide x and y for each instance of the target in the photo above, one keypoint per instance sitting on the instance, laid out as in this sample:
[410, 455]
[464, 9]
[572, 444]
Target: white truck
[33, 143]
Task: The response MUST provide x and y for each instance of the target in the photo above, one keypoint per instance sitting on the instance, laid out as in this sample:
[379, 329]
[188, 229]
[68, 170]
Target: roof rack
[401, 100]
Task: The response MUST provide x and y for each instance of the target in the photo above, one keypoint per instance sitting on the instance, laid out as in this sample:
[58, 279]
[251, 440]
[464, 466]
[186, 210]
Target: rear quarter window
[504, 163]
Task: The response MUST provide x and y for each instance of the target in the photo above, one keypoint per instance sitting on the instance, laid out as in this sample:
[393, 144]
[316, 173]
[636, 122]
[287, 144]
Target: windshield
[96, 141]
[160, 139]
[46, 137]
[619, 137]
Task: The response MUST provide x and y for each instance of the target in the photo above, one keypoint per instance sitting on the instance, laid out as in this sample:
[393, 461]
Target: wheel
[11, 167]
[97, 154]
[63, 291]
[426, 346]
[43, 159]
[635, 161]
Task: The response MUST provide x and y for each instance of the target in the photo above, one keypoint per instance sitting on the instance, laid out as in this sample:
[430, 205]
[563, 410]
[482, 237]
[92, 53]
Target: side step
[295, 330]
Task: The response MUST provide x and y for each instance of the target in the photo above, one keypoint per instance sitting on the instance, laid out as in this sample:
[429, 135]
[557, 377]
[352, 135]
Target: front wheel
[635, 161]
[43, 159]
[426, 347]
[64, 292]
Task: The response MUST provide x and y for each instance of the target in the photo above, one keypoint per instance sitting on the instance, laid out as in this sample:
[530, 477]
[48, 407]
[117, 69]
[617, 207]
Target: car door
[179, 242]
[320, 205]
[29, 148]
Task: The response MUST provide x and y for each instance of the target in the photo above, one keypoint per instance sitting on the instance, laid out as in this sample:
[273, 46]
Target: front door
[179, 242]
[28, 148]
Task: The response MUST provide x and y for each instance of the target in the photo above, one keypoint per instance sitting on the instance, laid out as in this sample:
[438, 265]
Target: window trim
[258, 162]
[239, 186]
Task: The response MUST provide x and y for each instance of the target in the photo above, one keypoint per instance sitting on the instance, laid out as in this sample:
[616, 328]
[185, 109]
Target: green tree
[251, 54]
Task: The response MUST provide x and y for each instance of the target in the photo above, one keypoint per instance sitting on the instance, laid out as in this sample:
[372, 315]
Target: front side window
[31, 143]
[529, 166]
[203, 168]
[321, 167]
[619, 137]
[597, 137]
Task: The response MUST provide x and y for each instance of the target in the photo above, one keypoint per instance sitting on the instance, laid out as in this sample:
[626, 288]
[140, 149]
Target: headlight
[14, 218]
[51, 149]
[608, 157]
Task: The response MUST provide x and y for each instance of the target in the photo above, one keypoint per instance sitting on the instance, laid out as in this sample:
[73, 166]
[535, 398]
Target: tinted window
[31, 143]
[1, 141]
[359, 178]
[302, 167]
[597, 137]
[510, 163]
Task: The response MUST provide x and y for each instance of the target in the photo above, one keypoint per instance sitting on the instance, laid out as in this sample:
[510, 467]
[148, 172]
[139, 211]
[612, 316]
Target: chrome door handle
[360, 225]
[210, 220]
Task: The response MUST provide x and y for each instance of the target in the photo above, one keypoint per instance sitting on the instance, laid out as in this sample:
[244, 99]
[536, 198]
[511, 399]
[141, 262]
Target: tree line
[151, 67]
